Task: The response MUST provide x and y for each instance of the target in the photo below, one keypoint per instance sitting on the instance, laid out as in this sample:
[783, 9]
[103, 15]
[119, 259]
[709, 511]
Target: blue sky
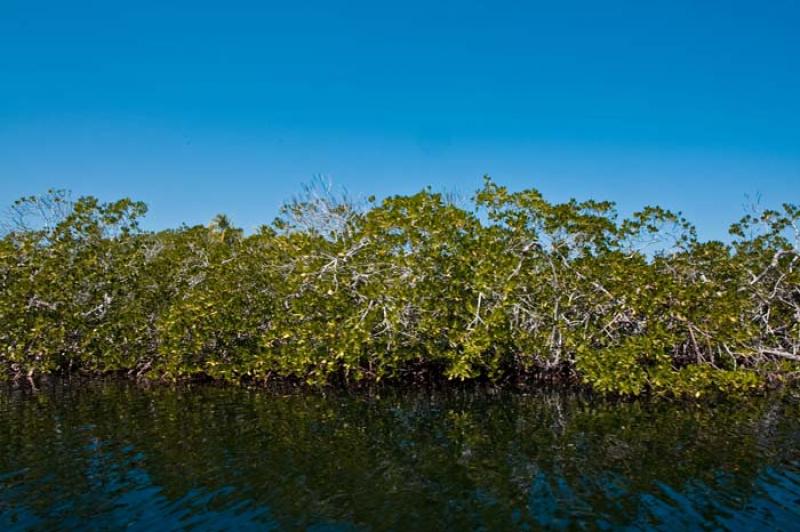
[204, 107]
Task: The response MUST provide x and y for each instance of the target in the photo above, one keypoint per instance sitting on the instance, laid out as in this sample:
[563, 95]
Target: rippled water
[111, 454]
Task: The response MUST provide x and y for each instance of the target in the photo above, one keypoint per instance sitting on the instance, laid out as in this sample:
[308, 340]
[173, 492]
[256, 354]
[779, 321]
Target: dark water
[103, 455]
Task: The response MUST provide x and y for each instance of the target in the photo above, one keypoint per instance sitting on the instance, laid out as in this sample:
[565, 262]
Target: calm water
[105, 455]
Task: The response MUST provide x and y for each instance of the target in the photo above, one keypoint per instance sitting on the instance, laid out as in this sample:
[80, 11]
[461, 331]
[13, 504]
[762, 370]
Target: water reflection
[111, 454]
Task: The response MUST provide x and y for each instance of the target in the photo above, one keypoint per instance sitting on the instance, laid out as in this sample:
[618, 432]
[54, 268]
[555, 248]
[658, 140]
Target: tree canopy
[508, 288]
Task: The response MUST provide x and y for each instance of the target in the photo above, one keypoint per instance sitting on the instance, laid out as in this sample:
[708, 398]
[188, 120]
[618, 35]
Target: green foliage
[414, 286]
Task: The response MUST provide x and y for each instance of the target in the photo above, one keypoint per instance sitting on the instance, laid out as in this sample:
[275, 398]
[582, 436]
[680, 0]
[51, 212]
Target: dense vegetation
[413, 286]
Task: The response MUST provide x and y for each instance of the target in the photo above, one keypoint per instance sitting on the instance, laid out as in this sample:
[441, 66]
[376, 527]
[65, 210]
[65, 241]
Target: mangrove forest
[505, 287]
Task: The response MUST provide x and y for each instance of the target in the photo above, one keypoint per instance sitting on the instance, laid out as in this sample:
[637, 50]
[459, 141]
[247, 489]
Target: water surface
[110, 454]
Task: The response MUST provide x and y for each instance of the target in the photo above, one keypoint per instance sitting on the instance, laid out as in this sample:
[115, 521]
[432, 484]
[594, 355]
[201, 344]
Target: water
[100, 455]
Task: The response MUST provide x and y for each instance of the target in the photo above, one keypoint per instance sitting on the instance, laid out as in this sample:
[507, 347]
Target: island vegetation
[507, 287]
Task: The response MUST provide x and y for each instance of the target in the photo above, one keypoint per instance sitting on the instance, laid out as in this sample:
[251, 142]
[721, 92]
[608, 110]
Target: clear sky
[202, 107]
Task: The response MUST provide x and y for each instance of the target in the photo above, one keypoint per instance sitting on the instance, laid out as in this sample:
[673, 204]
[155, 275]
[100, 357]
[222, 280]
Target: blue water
[112, 455]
